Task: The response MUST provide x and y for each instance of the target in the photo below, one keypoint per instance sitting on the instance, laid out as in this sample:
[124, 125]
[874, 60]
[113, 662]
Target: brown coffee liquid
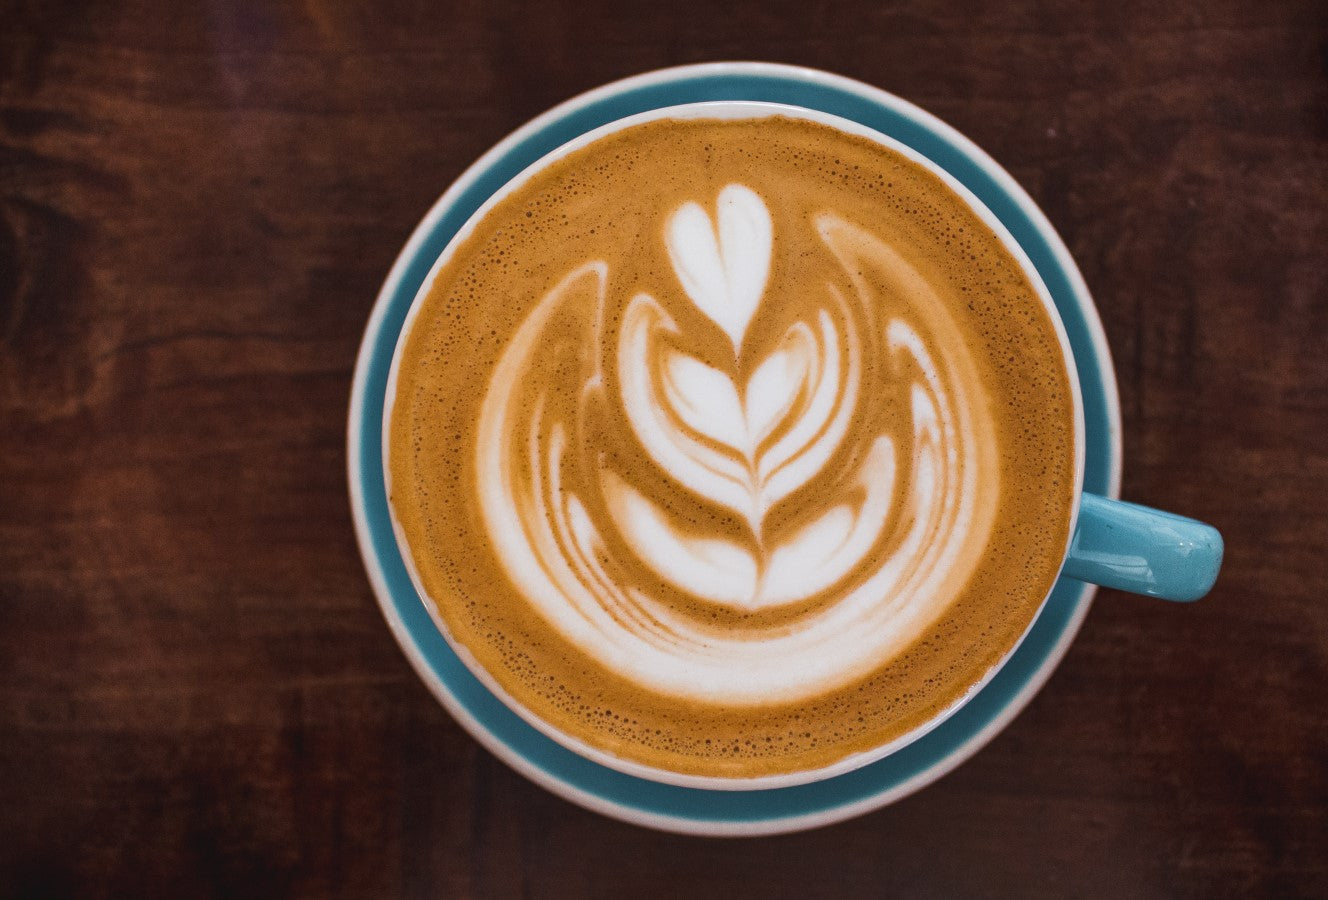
[733, 448]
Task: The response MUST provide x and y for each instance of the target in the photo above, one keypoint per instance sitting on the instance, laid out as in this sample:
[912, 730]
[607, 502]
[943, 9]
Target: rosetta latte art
[802, 539]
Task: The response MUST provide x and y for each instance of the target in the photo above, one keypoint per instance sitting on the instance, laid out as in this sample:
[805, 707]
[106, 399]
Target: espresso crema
[733, 448]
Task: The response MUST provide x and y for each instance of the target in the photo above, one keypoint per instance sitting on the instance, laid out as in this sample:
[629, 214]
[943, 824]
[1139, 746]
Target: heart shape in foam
[723, 264]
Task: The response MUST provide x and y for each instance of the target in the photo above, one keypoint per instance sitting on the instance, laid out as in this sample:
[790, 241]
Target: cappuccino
[733, 447]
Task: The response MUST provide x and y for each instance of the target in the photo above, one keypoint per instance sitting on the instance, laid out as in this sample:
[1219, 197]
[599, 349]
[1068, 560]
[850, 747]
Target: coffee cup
[1105, 541]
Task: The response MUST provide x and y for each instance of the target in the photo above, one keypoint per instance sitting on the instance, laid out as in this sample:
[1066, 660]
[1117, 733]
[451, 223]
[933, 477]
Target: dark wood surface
[198, 202]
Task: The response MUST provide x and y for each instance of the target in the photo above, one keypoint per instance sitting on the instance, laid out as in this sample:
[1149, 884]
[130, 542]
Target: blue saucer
[647, 802]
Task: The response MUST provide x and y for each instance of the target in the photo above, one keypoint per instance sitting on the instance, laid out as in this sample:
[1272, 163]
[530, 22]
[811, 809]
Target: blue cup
[1116, 544]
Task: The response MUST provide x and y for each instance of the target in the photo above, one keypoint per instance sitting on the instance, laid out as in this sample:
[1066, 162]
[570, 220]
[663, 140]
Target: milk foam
[732, 447]
[877, 559]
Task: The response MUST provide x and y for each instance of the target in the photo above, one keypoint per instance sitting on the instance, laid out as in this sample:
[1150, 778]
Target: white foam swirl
[641, 582]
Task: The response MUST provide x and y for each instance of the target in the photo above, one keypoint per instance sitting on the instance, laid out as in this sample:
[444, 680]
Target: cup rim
[727, 110]
[753, 81]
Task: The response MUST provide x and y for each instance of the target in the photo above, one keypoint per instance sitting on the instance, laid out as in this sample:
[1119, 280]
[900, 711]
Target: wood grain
[197, 204]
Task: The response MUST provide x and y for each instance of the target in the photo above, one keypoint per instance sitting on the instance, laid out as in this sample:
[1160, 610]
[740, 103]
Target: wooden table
[197, 205]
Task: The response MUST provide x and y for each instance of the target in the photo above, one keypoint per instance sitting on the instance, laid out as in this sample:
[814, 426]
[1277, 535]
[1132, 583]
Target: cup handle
[1142, 550]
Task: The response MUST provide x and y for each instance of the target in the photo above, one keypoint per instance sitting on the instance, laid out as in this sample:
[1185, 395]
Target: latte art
[731, 448]
[891, 520]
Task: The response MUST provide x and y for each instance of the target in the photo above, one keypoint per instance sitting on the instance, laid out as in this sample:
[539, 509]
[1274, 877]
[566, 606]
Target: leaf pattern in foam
[706, 471]
[705, 399]
[692, 419]
[807, 446]
[777, 384]
[693, 423]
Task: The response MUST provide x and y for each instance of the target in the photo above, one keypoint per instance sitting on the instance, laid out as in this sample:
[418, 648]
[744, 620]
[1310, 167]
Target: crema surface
[733, 447]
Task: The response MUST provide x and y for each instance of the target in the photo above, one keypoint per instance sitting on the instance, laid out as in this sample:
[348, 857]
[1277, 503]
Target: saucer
[649, 803]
